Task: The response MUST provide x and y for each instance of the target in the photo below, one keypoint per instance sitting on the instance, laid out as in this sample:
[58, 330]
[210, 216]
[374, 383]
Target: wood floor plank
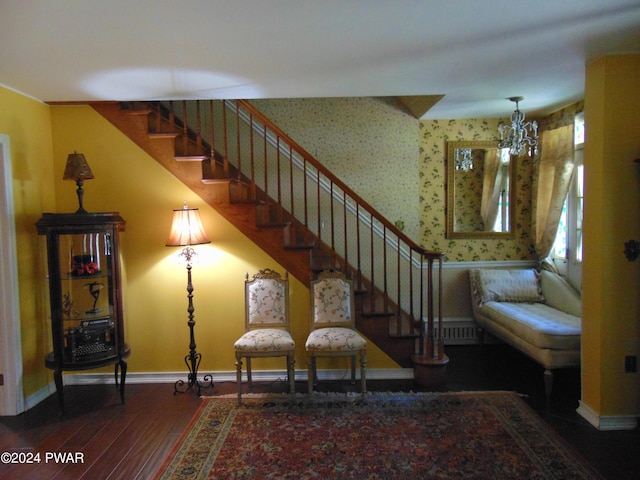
[176, 411]
[165, 447]
[100, 445]
[125, 442]
[140, 454]
[132, 450]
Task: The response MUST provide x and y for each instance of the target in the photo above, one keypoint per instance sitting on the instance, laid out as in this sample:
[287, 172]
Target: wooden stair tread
[271, 224]
[298, 247]
[261, 224]
[215, 181]
[191, 158]
[403, 337]
[377, 313]
[162, 135]
[137, 111]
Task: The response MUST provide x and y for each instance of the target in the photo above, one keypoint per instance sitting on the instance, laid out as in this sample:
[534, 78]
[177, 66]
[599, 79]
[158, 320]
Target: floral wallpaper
[397, 164]
[434, 135]
[467, 216]
[370, 143]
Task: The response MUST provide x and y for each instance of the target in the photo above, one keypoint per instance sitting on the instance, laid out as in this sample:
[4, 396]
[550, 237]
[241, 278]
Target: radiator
[458, 331]
[463, 331]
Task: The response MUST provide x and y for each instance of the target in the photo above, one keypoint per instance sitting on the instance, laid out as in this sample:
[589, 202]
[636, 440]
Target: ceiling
[473, 53]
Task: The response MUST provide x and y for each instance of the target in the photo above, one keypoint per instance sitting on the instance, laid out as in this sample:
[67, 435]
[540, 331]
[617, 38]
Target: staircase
[297, 211]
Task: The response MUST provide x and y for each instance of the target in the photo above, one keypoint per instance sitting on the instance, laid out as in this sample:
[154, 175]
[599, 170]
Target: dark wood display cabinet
[85, 294]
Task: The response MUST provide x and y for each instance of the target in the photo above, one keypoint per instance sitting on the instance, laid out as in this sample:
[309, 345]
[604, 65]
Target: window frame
[570, 265]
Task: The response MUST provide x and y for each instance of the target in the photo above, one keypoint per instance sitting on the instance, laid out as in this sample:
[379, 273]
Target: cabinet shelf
[89, 361]
[72, 276]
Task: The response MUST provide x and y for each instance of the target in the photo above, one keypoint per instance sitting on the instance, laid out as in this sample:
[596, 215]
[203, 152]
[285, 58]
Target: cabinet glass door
[87, 296]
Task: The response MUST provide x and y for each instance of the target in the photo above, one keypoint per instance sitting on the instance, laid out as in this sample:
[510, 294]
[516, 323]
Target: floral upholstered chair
[266, 324]
[333, 331]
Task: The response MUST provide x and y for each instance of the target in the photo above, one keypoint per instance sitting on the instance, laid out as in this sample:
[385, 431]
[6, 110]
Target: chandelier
[464, 159]
[519, 137]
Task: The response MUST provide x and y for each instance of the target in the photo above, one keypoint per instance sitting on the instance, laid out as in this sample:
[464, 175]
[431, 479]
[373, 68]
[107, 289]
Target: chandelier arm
[519, 134]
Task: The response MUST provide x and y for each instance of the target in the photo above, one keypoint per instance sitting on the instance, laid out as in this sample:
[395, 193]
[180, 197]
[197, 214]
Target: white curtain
[491, 188]
[553, 170]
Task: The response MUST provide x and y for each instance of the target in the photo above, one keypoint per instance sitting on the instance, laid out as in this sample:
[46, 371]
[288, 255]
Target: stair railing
[294, 189]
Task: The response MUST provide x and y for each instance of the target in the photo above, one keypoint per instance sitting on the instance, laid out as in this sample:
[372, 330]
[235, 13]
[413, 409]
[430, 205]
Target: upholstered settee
[536, 312]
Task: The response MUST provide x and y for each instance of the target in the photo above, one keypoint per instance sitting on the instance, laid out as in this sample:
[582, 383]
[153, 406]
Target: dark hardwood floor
[131, 441]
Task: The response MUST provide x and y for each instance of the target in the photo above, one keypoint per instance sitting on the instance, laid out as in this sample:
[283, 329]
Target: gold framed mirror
[480, 190]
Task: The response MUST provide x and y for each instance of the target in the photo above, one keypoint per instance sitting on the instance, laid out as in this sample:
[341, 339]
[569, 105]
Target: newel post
[429, 367]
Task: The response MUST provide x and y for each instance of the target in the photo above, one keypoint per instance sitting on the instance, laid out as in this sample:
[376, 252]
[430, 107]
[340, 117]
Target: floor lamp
[187, 230]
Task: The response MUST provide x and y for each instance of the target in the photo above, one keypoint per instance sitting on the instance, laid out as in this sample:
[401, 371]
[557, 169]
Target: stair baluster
[397, 275]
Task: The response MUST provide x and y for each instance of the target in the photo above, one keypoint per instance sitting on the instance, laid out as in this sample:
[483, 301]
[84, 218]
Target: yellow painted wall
[28, 124]
[611, 283]
[130, 182]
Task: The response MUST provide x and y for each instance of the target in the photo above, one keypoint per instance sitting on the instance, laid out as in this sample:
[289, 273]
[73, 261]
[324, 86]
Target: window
[502, 219]
[567, 248]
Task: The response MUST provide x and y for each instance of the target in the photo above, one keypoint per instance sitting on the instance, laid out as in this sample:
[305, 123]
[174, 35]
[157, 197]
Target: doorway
[11, 391]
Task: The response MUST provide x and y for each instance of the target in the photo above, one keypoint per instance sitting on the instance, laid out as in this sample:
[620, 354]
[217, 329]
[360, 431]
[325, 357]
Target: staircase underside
[299, 258]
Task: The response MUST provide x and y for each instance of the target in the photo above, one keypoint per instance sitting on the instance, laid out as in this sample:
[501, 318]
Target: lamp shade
[187, 228]
[77, 168]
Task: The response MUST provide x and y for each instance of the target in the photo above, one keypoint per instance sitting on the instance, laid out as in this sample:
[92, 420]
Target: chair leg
[291, 372]
[363, 372]
[311, 373]
[353, 370]
[249, 379]
[239, 377]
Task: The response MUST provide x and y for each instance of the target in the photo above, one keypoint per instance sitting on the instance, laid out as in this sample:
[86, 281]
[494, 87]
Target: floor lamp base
[193, 361]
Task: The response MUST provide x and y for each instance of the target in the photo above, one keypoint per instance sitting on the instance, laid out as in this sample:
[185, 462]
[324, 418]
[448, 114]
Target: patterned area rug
[479, 435]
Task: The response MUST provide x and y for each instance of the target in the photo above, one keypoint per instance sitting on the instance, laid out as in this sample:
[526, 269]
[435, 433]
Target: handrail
[257, 156]
[311, 159]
